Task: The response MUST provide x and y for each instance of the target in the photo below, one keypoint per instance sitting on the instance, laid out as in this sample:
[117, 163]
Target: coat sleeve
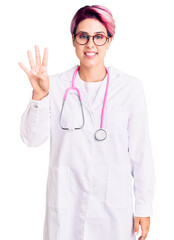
[140, 153]
[35, 122]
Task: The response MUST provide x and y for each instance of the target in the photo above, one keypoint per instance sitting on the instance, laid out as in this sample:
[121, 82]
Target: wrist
[39, 97]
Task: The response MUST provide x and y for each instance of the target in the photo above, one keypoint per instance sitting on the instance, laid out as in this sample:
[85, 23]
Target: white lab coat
[89, 185]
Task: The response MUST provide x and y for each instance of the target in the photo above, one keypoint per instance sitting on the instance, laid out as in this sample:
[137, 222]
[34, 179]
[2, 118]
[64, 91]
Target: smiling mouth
[90, 54]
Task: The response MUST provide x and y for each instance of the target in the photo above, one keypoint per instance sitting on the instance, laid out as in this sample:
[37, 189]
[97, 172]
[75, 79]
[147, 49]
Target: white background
[143, 46]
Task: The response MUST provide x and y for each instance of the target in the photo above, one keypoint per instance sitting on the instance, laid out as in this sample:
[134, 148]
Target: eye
[83, 36]
[99, 36]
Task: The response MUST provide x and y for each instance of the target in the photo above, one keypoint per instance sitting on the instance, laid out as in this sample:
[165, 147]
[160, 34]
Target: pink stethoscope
[100, 134]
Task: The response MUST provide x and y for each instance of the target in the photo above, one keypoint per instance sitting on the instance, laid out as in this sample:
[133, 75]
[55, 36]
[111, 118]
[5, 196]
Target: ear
[109, 42]
[73, 42]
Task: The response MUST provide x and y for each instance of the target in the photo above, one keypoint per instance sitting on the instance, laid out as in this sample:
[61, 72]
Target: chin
[89, 63]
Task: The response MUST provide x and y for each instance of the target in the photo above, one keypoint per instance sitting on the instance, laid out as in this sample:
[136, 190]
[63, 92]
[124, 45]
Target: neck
[92, 74]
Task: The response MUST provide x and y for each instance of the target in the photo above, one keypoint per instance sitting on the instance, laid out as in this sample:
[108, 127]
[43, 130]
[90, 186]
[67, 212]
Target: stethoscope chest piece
[100, 134]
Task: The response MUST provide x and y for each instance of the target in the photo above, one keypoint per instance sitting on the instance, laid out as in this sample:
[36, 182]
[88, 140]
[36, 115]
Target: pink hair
[98, 12]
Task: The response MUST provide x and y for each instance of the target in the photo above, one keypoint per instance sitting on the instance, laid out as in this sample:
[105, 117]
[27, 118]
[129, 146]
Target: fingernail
[136, 233]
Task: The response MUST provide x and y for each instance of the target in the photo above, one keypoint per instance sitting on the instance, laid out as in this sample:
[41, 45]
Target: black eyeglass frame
[92, 38]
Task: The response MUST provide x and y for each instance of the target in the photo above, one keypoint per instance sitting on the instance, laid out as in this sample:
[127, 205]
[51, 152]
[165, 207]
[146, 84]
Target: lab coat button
[36, 106]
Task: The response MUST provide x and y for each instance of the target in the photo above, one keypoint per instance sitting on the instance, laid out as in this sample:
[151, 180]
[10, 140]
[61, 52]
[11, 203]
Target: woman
[89, 186]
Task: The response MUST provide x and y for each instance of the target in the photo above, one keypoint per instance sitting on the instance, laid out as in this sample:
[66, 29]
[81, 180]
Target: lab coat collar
[67, 75]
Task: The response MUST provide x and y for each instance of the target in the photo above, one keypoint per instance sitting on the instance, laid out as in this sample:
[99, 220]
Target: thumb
[136, 225]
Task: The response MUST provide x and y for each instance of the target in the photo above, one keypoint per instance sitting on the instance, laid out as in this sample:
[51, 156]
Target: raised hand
[38, 75]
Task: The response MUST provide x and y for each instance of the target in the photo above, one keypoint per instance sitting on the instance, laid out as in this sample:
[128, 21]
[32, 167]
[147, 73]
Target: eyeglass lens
[99, 39]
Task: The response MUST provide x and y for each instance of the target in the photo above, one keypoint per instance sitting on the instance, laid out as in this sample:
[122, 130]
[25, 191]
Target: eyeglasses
[98, 39]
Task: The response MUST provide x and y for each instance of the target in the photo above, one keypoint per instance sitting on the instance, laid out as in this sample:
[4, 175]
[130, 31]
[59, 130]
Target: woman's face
[91, 26]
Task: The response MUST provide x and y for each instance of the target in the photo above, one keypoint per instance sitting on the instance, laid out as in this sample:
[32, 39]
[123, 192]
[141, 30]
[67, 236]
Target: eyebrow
[95, 32]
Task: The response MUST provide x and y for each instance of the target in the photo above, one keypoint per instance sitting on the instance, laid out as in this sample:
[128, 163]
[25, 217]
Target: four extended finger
[38, 57]
[24, 68]
[45, 58]
[38, 61]
[31, 60]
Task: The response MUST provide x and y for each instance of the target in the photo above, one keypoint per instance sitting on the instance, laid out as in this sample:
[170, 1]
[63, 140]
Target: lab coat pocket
[118, 192]
[58, 188]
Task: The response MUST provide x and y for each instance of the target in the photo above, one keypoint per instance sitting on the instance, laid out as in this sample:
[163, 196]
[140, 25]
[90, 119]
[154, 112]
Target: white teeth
[90, 54]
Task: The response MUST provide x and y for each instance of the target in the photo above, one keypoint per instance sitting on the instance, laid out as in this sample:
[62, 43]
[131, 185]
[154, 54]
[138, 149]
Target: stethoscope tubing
[80, 99]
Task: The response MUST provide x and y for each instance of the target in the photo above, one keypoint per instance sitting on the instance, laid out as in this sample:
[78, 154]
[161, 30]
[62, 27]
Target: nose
[90, 43]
